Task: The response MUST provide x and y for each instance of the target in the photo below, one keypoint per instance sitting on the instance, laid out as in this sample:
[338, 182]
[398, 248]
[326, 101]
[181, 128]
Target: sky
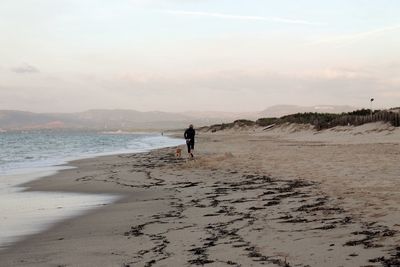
[199, 55]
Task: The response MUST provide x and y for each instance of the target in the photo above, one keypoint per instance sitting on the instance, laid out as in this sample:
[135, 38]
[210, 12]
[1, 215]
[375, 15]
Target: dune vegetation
[318, 120]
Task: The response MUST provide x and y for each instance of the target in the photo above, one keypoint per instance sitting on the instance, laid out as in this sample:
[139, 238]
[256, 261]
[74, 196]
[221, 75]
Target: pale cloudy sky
[177, 55]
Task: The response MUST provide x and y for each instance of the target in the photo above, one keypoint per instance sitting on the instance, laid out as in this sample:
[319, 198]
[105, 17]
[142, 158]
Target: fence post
[398, 120]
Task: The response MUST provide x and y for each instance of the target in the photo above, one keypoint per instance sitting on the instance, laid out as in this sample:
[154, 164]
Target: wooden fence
[386, 116]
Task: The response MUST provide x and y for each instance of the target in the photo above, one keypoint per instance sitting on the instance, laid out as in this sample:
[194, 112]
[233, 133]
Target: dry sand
[287, 196]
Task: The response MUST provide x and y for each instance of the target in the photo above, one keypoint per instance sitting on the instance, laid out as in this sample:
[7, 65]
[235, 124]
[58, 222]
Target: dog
[178, 153]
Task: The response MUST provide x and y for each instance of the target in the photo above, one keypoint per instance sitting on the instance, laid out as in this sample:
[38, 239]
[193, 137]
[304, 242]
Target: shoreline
[236, 204]
[27, 212]
[30, 202]
[64, 163]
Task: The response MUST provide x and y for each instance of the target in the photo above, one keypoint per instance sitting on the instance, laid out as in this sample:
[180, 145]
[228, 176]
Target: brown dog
[178, 153]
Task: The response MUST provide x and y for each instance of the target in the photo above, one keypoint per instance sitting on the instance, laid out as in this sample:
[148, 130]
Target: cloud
[350, 38]
[335, 73]
[235, 17]
[25, 69]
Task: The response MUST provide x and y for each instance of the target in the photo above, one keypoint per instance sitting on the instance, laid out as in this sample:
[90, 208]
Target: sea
[29, 155]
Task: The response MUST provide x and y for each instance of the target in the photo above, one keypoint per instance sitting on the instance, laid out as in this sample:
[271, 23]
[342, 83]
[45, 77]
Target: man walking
[189, 136]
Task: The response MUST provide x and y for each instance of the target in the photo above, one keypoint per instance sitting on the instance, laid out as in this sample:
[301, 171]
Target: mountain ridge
[129, 119]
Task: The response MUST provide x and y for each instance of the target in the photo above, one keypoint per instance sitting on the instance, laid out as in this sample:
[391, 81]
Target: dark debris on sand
[266, 194]
[392, 261]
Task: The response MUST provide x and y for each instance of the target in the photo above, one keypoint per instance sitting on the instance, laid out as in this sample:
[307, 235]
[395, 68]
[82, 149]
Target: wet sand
[253, 198]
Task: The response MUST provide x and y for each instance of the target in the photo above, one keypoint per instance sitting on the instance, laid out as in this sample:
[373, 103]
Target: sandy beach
[286, 196]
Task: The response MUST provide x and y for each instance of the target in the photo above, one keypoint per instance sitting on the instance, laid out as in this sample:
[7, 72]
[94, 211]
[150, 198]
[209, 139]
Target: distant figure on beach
[189, 136]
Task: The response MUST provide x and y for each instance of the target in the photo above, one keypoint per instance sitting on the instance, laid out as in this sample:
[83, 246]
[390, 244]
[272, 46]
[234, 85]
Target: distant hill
[220, 115]
[102, 119]
[282, 110]
[13, 119]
